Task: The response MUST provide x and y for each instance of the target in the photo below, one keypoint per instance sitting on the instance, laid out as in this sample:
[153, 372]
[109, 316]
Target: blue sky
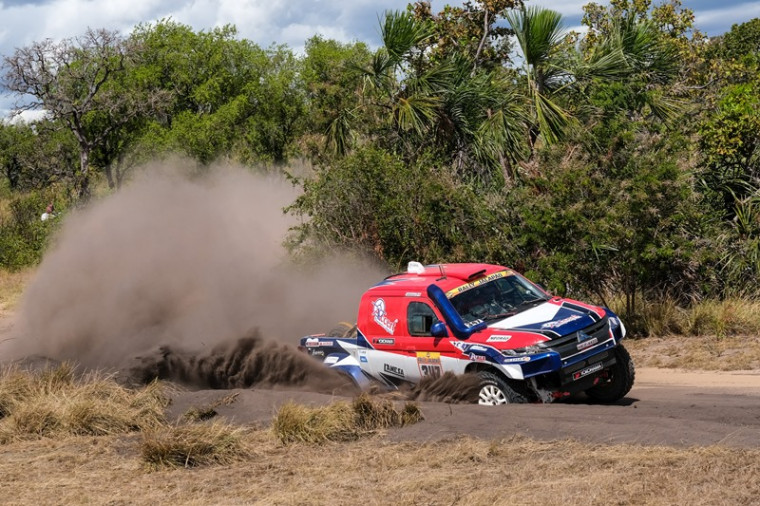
[265, 22]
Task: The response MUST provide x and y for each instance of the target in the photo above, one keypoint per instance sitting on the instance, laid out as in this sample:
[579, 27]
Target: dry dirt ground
[684, 435]
[665, 407]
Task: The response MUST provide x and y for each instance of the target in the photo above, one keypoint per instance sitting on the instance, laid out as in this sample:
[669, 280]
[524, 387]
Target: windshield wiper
[531, 302]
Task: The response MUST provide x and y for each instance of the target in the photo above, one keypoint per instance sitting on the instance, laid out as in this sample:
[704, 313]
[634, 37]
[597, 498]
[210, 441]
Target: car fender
[348, 365]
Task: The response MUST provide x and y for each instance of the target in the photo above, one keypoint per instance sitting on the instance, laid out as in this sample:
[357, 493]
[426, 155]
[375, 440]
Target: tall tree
[70, 80]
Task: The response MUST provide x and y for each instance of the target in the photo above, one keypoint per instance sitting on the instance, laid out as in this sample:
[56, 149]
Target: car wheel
[494, 390]
[619, 379]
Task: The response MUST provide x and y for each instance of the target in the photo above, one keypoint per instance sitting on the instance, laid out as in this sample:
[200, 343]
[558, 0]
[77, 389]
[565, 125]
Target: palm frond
[340, 134]
[401, 32]
[415, 113]
[538, 31]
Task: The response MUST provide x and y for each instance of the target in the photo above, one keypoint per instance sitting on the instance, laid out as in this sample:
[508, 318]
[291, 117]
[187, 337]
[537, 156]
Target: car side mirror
[439, 330]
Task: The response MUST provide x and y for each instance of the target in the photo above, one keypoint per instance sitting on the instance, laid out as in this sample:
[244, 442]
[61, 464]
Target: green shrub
[23, 235]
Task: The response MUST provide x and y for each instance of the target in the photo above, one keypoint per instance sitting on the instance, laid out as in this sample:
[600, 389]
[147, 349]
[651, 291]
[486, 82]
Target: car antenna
[443, 273]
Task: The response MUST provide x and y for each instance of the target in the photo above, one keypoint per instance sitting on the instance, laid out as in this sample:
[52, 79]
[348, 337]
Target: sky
[265, 22]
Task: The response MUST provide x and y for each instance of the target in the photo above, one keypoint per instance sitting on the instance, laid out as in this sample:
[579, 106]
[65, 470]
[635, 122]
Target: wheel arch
[476, 367]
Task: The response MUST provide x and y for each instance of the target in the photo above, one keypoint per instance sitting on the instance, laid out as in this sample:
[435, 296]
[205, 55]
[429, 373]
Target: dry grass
[697, 353]
[56, 402]
[193, 445]
[240, 465]
[11, 287]
[110, 470]
[208, 411]
[721, 318]
[341, 421]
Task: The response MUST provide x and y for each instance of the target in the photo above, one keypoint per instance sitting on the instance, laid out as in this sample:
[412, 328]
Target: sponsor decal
[312, 341]
[478, 348]
[429, 363]
[392, 369]
[559, 323]
[587, 344]
[473, 323]
[512, 360]
[331, 360]
[413, 294]
[498, 339]
[317, 353]
[477, 358]
[384, 340]
[381, 317]
[469, 286]
[459, 345]
[588, 370]
[363, 358]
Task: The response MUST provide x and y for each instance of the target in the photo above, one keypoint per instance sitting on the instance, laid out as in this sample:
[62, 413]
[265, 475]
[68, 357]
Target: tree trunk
[84, 181]
[109, 177]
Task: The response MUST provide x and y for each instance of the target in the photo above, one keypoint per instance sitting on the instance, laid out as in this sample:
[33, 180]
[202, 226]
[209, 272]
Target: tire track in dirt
[665, 407]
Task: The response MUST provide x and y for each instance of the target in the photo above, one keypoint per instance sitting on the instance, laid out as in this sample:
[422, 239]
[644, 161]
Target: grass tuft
[341, 421]
[194, 445]
[207, 412]
[56, 402]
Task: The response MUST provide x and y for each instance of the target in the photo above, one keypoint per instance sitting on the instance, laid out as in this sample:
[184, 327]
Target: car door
[426, 356]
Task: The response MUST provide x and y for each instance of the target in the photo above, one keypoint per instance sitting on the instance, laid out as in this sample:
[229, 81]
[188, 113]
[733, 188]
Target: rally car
[524, 344]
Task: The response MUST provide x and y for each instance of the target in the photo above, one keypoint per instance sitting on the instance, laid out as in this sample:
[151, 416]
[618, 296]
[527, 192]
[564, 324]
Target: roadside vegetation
[55, 402]
[119, 448]
[622, 163]
[341, 421]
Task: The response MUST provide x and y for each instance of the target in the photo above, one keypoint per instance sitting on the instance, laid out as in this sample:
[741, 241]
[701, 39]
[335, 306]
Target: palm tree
[539, 32]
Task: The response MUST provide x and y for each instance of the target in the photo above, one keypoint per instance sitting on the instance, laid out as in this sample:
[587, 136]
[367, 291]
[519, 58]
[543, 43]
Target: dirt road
[665, 407]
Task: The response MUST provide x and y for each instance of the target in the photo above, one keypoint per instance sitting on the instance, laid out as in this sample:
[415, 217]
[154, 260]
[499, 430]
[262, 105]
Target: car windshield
[499, 298]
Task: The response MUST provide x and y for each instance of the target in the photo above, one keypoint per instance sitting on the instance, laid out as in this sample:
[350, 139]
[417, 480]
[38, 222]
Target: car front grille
[571, 344]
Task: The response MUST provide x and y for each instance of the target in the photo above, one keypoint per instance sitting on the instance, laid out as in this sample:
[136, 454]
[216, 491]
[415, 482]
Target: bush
[341, 421]
[56, 401]
[23, 235]
[193, 445]
[375, 202]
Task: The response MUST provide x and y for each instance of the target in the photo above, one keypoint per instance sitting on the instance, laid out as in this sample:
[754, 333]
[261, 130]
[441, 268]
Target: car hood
[560, 317]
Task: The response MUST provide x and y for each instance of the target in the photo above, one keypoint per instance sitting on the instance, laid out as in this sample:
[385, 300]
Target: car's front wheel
[618, 381]
[494, 390]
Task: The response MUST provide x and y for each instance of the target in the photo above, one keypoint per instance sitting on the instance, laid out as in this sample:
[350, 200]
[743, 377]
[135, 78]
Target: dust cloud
[173, 272]
[246, 362]
[449, 388]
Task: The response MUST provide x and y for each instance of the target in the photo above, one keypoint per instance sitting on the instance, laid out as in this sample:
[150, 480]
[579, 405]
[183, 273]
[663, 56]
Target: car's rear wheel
[494, 390]
[618, 382]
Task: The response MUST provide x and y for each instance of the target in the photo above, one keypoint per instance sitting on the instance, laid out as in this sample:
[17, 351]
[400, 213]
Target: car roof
[446, 276]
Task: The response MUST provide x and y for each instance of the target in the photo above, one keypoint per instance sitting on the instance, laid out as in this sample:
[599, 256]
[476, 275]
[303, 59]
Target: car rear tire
[619, 379]
[494, 390]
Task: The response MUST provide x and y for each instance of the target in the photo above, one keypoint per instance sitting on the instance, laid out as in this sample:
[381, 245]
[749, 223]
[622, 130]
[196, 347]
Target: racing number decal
[429, 363]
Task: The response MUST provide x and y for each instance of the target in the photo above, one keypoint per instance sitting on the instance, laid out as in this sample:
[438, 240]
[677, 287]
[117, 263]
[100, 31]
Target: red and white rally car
[525, 344]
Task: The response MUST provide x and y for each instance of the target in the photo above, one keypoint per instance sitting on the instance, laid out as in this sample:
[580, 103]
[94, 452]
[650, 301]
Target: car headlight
[615, 324]
[528, 350]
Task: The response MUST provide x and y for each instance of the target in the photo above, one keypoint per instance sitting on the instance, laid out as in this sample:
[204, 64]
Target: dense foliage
[624, 161]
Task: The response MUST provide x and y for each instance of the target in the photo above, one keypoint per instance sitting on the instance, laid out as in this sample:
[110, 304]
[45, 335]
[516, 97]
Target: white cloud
[717, 21]
[264, 22]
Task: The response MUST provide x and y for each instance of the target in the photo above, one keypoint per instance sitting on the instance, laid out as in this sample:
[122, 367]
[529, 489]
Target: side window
[420, 317]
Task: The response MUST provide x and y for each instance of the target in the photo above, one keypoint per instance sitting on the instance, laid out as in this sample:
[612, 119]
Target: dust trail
[246, 362]
[182, 263]
[449, 387]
